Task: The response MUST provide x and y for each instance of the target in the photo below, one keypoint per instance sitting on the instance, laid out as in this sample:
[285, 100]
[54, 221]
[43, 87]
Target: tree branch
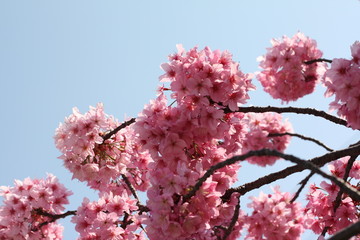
[318, 161]
[233, 220]
[130, 186]
[318, 60]
[123, 125]
[347, 232]
[346, 175]
[53, 217]
[303, 183]
[301, 137]
[309, 111]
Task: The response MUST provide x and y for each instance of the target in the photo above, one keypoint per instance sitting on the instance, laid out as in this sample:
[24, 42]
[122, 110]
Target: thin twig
[123, 125]
[309, 111]
[142, 208]
[303, 138]
[318, 60]
[53, 217]
[303, 183]
[337, 201]
[130, 186]
[234, 219]
[346, 175]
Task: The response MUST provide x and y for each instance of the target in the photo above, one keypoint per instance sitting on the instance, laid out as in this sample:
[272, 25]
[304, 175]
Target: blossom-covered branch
[347, 232]
[52, 217]
[123, 125]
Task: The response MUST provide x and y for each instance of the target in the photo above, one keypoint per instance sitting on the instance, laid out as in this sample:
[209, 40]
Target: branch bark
[318, 60]
[308, 111]
[303, 138]
[53, 217]
[123, 125]
[354, 150]
[347, 232]
[301, 165]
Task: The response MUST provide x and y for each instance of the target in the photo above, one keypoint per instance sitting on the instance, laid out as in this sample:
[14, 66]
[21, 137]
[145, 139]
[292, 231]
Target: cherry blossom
[285, 75]
[320, 212]
[343, 81]
[260, 126]
[207, 73]
[108, 218]
[21, 215]
[98, 161]
[274, 216]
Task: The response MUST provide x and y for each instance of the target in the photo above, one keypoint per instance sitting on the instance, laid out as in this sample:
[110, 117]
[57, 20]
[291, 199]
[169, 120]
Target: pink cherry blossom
[259, 126]
[320, 209]
[111, 217]
[274, 217]
[207, 74]
[343, 81]
[21, 215]
[284, 74]
[97, 161]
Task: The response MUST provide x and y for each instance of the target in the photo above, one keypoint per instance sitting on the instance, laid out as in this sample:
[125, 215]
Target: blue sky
[55, 55]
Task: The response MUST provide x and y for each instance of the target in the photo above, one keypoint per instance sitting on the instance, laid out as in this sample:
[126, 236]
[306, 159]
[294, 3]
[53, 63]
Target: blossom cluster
[187, 138]
[21, 216]
[206, 73]
[183, 146]
[343, 81]
[285, 74]
[275, 217]
[80, 140]
[321, 211]
[97, 159]
[259, 128]
[109, 218]
[338, 167]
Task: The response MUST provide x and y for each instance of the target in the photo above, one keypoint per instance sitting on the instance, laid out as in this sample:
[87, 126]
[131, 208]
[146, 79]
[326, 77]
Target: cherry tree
[185, 150]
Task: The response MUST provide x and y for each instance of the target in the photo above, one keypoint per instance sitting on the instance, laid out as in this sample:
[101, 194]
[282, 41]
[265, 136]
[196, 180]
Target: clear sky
[55, 55]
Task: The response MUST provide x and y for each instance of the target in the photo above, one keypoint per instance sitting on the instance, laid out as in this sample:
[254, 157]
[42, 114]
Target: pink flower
[343, 81]
[259, 126]
[274, 217]
[20, 216]
[320, 209]
[206, 74]
[285, 76]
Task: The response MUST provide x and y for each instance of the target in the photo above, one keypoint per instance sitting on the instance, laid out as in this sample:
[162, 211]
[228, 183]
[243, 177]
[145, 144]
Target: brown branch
[234, 218]
[301, 137]
[123, 125]
[352, 192]
[303, 183]
[337, 201]
[130, 186]
[347, 232]
[309, 111]
[318, 60]
[53, 217]
[142, 208]
[346, 175]
[318, 161]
